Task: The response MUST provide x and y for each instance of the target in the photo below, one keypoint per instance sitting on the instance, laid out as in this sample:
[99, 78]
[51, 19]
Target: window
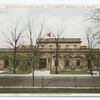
[78, 62]
[75, 46]
[50, 46]
[67, 63]
[67, 46]
[56, 62]
[48, 60]
[6, 63]
[59, 46]
[42, 63]
[17, 62]
[28, 62]
[42, 46]
[89, 64]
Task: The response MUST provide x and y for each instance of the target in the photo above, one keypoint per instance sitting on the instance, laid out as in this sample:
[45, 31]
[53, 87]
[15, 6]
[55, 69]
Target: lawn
[18, 71]
[47, 90]
[72, 72]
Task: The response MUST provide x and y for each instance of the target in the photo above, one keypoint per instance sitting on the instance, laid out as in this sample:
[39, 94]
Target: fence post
[75, 82]
[4, 82]
[42, 82]
[23, 81]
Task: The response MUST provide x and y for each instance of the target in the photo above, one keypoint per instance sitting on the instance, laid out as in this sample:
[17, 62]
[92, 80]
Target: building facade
[68, 53]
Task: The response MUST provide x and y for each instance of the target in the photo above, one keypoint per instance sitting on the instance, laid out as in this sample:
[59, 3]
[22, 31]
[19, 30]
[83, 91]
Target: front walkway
[47, 73]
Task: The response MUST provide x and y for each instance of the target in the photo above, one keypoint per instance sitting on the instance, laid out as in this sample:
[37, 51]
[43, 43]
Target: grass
[47, 90]
[71, 72]
[18, 71]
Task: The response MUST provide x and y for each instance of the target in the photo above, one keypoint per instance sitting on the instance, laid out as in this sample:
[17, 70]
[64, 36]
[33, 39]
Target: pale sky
[72, 19]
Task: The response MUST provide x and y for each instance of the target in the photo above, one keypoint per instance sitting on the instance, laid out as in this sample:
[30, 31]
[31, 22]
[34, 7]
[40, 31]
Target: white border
[50, 1]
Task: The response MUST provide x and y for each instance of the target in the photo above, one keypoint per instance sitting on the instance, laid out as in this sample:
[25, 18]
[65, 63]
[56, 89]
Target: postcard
[49, 50]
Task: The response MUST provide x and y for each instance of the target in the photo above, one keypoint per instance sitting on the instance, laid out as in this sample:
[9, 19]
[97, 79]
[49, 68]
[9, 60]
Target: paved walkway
[45, 79]
[47, 73]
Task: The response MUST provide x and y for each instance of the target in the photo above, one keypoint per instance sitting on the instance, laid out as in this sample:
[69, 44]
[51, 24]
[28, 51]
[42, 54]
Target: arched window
[67, 63]
[59, 46]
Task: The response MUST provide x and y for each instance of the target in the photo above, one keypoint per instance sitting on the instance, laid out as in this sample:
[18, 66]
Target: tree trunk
[14, 61]
[56, 61]
[90, 65]
[32, 66]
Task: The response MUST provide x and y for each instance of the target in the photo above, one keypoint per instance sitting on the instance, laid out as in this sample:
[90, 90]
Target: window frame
[66, 46]
[78, 62]
[67, 62]
[75, 46]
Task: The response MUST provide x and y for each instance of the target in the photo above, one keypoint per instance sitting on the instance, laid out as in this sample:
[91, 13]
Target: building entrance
[42, 63]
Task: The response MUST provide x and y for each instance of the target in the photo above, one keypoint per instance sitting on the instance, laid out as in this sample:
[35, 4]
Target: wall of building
[61, 45]
[69, 50]
[72, 61]
[66, 51]
[1, 64]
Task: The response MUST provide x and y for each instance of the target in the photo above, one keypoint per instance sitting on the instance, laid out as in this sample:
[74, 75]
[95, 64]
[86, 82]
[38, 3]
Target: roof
[60, 40]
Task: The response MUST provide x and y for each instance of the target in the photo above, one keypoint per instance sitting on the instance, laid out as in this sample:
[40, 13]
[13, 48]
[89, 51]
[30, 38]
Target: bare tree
[95, 19]
[91, 37]
[95, 16]
[34, 49]
[15, 34]
[59, 33]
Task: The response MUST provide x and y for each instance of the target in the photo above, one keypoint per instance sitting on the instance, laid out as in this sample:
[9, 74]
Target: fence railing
[47, 81]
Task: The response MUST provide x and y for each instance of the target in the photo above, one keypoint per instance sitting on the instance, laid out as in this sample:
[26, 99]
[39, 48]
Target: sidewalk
[47, 73]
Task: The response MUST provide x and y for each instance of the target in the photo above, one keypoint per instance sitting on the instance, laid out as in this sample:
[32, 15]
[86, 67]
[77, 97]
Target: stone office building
[71, 55]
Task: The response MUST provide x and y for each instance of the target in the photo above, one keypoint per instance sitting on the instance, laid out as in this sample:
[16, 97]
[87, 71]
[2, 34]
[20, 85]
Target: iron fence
[47, 81]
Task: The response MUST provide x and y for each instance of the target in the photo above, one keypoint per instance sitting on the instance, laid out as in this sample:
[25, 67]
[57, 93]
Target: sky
[71, 19]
